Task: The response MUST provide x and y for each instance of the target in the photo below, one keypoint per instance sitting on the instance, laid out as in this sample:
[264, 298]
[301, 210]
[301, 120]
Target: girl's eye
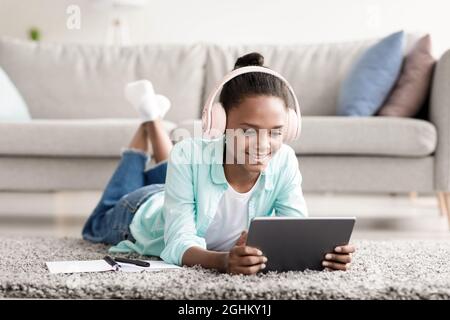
[276, 133]
[250, 132]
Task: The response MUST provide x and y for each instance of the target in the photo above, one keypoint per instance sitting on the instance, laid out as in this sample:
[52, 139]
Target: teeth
[259, 157]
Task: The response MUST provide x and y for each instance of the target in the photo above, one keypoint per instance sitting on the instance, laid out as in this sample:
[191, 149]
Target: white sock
[164, 105]
[149, 105]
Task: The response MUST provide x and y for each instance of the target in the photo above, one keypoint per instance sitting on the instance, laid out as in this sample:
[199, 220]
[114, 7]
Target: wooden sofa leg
[442, 201]
[447, 204]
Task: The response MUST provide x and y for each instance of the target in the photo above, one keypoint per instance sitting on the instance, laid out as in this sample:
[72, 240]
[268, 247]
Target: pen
[112, 263]
[139, 263]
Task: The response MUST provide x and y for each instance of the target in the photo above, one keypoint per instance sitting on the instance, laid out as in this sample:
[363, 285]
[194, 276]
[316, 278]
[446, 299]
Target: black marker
[112, 263]
[139, 263]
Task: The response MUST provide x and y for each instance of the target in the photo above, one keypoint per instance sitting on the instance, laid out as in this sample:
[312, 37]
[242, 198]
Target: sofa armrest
[440, 117]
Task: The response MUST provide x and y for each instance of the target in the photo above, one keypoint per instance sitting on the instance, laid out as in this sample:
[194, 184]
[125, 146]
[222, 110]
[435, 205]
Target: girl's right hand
[243, 259]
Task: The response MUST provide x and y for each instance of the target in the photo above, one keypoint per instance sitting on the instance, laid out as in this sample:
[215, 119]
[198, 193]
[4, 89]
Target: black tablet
[298, 243]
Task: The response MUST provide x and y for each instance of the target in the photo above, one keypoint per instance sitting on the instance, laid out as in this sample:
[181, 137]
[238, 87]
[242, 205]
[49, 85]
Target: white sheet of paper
[102, 265]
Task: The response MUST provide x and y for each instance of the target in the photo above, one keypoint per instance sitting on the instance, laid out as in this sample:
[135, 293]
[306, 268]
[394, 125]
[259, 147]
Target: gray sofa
[81, 120]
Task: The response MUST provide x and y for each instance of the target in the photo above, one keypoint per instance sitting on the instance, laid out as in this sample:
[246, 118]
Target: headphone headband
[237, 72]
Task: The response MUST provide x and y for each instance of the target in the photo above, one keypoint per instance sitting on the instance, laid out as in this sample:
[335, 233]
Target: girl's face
[255, 127]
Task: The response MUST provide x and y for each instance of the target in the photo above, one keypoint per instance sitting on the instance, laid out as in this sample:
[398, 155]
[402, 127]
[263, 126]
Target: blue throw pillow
[372, 77]
[12, 105]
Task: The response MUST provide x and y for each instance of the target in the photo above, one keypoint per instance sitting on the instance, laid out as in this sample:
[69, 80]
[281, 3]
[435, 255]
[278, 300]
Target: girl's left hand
[340, 259]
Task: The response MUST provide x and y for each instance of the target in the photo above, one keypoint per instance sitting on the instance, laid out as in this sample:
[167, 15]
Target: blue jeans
[128, 188]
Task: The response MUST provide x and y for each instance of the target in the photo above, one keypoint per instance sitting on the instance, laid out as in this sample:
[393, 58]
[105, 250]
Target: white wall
[234, 21]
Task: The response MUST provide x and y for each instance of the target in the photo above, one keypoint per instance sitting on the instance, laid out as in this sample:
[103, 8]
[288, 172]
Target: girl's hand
[340, 259]
[243, 259]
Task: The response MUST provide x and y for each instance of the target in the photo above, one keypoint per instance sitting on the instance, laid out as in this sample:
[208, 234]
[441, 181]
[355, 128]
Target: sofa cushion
[68, 138]
[411, 89]
[332, 135]
[68, 81]
[371, 77]
[315, 71]
[385, 136]
[12, 105]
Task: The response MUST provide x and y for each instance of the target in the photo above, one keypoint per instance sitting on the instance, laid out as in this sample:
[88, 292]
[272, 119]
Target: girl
[192, 213]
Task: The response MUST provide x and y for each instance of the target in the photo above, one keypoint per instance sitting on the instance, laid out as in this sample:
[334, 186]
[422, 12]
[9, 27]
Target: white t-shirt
[230, 220]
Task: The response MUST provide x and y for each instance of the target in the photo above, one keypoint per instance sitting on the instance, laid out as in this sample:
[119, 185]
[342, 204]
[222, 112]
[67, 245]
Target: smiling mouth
[259, 158]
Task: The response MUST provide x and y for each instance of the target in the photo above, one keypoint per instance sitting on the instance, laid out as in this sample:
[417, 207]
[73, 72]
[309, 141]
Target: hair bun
[250, 59]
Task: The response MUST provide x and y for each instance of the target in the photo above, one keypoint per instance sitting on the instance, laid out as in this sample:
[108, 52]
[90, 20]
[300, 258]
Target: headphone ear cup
[218, 120]
[292, 126]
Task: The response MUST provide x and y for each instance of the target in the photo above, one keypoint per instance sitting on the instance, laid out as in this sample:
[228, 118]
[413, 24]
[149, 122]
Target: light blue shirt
[173, 220]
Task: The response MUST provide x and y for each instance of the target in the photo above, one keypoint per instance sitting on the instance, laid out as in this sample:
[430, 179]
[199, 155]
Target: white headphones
[214, 118]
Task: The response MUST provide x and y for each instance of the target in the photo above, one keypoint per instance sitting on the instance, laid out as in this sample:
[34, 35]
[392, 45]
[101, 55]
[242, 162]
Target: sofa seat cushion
[68, 138]
[386, 136]
[361, 136]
